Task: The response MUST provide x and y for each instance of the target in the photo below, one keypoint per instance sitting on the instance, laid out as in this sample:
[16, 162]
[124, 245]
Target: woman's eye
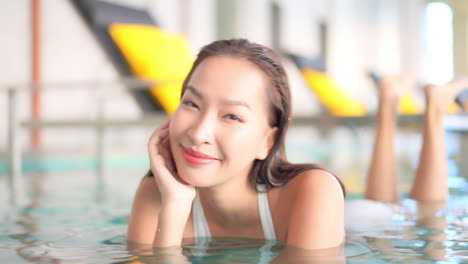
[233, 117]
[189, 103]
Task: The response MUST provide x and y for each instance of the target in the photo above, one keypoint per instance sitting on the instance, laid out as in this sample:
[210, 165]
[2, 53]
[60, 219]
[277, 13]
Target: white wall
[253, 21]
[70, 54]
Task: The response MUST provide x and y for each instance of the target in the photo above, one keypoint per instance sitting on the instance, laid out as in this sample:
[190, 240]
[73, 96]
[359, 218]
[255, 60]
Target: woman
[218, 166]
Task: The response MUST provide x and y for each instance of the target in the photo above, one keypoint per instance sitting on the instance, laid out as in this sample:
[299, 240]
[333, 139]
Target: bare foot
[390, 90]
[438, 97]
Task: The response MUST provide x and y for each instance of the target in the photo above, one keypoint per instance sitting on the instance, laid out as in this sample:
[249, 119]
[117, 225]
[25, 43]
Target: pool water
[73, 218]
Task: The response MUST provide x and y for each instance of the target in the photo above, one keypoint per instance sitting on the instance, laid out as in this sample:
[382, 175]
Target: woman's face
[221, 125]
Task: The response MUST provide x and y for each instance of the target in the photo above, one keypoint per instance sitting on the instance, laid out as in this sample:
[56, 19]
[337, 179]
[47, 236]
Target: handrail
[130, 83]
[456, 123]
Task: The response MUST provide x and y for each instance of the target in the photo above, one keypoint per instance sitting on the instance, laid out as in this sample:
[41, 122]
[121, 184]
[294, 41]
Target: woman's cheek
[242, 139]
[175, 125]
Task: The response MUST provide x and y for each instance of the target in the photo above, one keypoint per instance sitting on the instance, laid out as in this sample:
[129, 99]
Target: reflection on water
[215, 250]
[94, 235]
[71, 219]
[434, 234]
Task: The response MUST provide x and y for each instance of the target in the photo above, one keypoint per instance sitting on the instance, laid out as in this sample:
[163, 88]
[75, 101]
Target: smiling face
[221, 125]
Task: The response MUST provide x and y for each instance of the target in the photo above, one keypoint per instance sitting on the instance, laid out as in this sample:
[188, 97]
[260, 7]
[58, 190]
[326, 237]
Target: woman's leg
[430, 183]
[382, 179]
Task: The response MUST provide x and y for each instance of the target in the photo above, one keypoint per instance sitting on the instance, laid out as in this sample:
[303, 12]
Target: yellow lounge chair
[155, 55]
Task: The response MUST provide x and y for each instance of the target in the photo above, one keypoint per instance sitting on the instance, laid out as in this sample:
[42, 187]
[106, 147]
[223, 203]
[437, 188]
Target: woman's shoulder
[312, 182]
[148, 191]
[146, 206]
[314, 210]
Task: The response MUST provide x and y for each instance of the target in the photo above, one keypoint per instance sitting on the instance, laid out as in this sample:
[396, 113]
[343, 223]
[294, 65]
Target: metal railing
[100, 123]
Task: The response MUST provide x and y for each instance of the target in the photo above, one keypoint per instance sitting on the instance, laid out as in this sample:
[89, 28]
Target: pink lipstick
[197, 158]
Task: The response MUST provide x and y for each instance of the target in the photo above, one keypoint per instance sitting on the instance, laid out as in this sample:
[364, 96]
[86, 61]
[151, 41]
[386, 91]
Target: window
[439, 43]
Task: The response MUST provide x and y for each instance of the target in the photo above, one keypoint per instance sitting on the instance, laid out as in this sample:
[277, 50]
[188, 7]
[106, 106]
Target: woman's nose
[202, 131]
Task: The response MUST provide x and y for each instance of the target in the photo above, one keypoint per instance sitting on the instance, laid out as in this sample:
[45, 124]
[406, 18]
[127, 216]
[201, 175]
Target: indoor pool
[72, 219]
[73, 216]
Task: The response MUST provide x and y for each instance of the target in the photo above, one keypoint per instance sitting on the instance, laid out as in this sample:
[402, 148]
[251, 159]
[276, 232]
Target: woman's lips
[197, 158]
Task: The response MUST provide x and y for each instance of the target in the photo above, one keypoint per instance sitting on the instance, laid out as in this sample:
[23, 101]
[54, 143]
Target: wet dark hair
[274, 170]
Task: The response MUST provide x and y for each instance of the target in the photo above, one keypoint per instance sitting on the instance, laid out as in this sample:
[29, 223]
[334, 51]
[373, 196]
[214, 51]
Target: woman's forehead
[235, 78]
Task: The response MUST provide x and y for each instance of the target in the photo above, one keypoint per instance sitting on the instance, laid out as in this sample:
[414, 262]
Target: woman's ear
[268, 143]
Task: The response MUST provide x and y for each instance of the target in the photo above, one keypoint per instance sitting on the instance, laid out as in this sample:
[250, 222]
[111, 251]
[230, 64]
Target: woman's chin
[193, 179]
[198, 177]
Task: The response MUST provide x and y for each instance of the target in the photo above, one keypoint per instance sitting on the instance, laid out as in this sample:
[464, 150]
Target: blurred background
[84, 83]
[72, 100]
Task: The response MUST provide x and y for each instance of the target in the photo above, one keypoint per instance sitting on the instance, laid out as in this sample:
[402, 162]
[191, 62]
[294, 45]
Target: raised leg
[430, 183]
[382, 179]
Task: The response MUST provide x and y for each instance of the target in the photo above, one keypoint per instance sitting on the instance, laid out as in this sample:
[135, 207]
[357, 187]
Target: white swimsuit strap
[265, 216]
[200, 226]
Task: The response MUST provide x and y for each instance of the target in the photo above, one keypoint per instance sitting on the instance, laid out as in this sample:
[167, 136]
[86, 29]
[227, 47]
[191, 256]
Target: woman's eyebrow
[224, 101]
[195, 91]
[236, 102]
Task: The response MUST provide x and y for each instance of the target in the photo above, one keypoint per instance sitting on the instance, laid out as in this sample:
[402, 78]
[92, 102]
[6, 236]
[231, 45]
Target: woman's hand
[171, 188]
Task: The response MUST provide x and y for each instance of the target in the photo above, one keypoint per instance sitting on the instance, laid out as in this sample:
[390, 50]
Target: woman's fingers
[163, 147]
[167, 155]
[158, 133]
[156, 152]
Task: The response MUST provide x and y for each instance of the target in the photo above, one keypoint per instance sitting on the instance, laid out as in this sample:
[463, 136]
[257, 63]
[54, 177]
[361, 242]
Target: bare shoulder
[316, 210]
[147, 196]
[313, 183]
[145, 209]
[149, 187]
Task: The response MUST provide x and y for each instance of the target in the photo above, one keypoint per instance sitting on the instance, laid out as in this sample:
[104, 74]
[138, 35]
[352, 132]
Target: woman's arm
[146, 212]
[176, 196]
[173, 217]
[162, 203]
[154, 222]
[317, 212]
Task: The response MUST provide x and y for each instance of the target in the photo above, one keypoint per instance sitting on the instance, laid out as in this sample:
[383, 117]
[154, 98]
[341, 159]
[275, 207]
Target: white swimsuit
[201, 229]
